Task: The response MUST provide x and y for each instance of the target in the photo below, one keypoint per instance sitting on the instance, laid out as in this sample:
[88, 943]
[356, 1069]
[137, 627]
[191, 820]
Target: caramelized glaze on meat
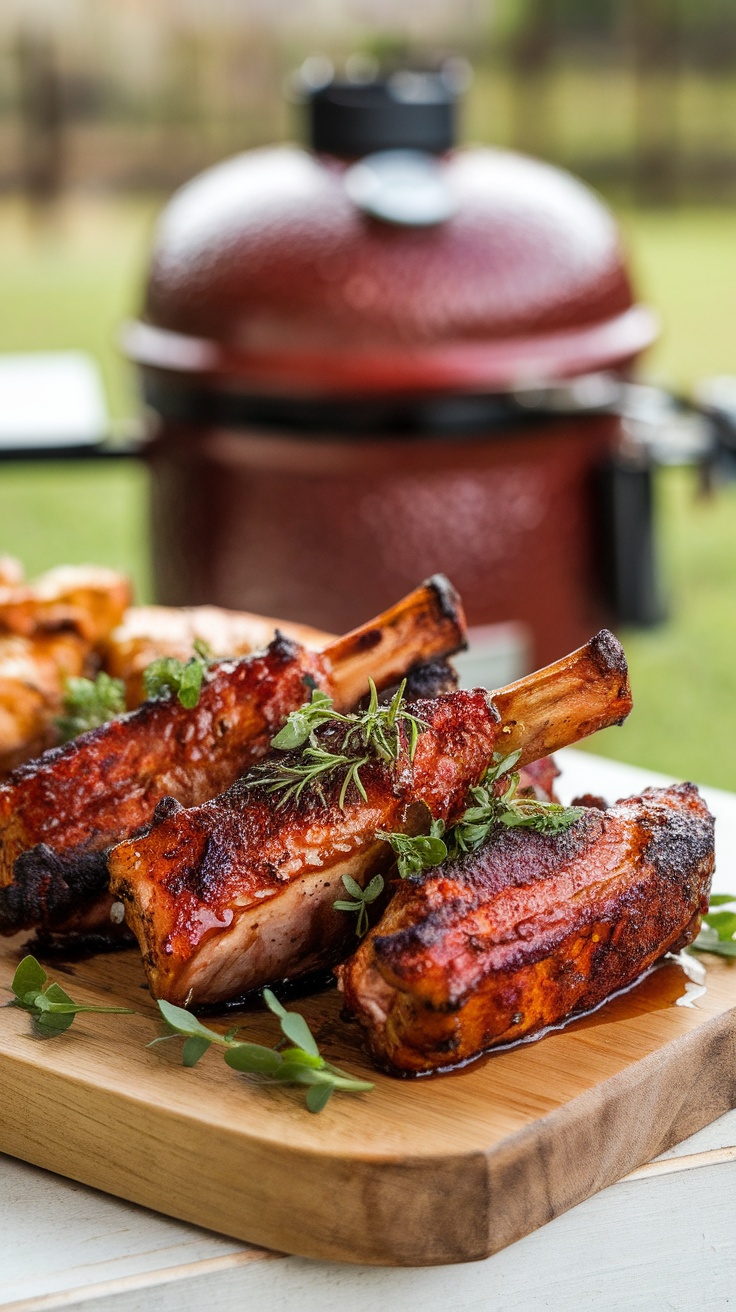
[530, 930]
[58, 816]
[228, 896]
[59, 813]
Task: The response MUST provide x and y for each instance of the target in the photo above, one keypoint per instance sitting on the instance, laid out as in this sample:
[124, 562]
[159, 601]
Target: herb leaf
[194, 1048]
[718, 932]
[167, 676]
[300, 724]
[50, 1007]
[293, 1026]
[89, 703]
[375, 733]
[489, 809]
[362, 897]
[300, 1063]
[418, 852]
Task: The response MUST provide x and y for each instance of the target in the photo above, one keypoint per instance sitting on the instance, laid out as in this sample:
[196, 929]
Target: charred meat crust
[82, 798]
[530, 930]
[201, 871]
[52, 888]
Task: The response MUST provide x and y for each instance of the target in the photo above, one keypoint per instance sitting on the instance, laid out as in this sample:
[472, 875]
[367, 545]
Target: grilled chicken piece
[239, 892]
[85, 598]
[148, 632]
[48, 631]
[60, 813]
[33, 672]
[530, 930]
[236, 893]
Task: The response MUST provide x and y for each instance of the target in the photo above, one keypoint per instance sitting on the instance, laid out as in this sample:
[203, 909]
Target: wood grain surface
[417, 1172]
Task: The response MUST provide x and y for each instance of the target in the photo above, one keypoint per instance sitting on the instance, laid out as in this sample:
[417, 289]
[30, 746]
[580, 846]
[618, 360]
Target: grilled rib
[60, 813]
[236, 893]
[230, 895]
[530, 930]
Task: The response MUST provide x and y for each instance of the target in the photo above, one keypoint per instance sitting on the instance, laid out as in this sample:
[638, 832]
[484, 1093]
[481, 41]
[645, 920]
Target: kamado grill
[382, 358]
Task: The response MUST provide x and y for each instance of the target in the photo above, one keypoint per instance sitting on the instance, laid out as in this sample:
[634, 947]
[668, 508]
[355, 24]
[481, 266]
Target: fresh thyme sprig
[375, 733]
[52, 1012]
[167, 676]
[299, 1063]
[362, 898]
[718, 933]
[487, 811]
[418, 852]
[89, 703]
[301, 723]
[489, 808]
[51, 1009]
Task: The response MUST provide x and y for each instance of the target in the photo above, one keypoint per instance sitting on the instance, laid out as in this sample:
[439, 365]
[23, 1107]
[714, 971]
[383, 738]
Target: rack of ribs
[60, 813]
[529, 930]
[237, 893]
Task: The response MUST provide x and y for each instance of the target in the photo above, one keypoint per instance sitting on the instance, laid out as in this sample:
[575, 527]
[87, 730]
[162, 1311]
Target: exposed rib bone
[567, 701]
[428, 623]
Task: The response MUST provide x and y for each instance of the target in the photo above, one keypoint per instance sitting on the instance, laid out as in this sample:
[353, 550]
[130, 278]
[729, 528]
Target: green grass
[76, 514]
[683, 674]
[69, 284]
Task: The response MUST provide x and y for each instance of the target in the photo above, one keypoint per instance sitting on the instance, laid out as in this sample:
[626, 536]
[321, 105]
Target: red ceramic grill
[372, 360]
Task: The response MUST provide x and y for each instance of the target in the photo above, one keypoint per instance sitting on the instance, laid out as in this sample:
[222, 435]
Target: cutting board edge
[536, 1174]
[668, 1111]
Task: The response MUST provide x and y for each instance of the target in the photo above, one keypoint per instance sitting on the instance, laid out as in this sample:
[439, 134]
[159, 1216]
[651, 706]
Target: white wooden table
[662, 1238]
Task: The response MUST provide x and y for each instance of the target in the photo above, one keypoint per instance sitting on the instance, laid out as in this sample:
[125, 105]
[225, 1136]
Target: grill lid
[274, 273]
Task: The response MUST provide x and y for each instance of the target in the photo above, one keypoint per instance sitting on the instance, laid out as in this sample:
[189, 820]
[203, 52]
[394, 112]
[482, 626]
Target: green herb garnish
[298, 1063]
[419, 852]
[486, 813]
[300, 724]
[718, 932]
[89, 703]
[355, 738]
[167, 676]
[362, 897]
[51, 1009]
[489, 809]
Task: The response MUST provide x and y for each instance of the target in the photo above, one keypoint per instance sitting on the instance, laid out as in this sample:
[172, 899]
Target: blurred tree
[531, 51]
[41, 113]
[655, 31]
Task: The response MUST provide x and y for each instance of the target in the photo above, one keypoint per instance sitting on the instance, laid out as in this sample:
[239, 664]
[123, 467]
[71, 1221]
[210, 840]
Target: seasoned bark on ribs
[60, 813]
[530, 930]
[228, 896]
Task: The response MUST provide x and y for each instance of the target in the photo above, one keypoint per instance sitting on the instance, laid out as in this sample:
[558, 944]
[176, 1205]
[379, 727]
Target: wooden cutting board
[417, 1172]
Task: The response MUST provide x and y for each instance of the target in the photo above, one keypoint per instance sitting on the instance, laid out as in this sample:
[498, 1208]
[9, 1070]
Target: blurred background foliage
[106, 106]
